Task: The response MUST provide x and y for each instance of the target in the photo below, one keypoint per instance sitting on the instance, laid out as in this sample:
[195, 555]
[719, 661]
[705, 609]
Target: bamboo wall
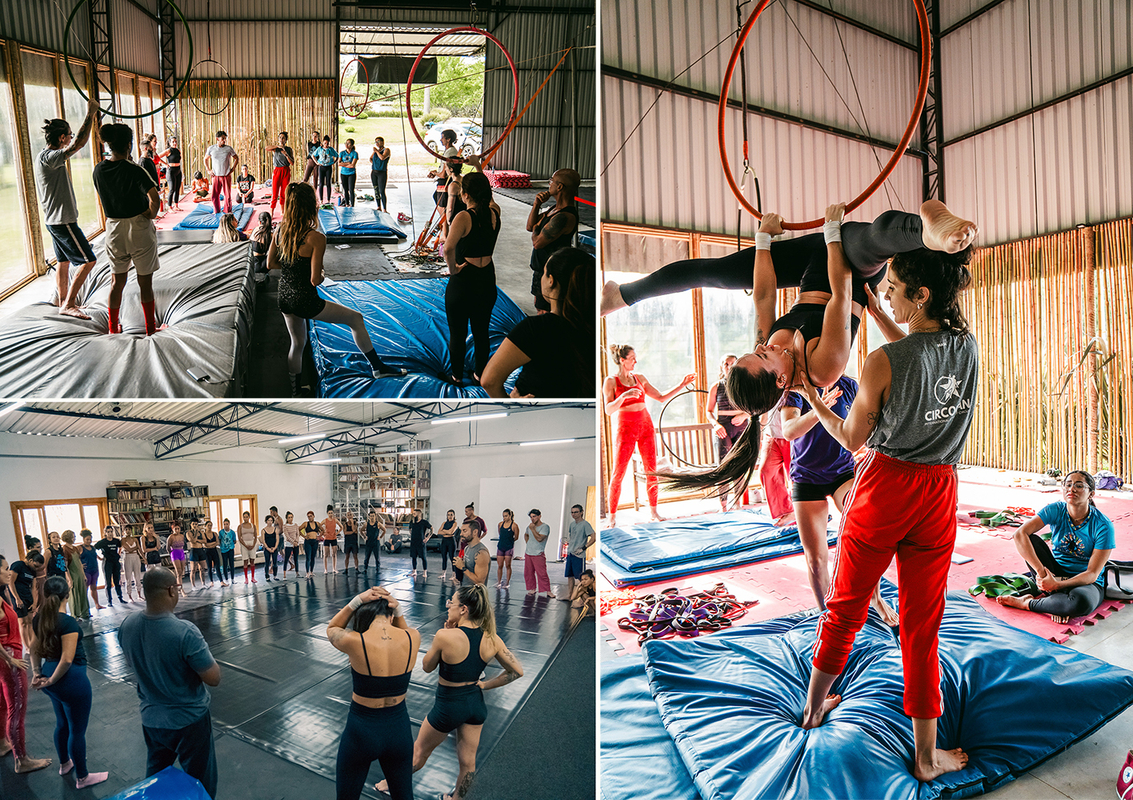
[259, 110]
[1035, 306]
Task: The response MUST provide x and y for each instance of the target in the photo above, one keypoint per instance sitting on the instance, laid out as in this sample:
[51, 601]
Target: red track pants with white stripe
[907, 510]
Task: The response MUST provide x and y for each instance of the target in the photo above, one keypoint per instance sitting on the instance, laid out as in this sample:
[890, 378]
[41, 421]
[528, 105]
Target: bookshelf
[390, 481]
[132, 504]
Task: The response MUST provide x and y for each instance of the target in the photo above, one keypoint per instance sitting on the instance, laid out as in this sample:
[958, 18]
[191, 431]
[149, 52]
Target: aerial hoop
[211, 112]
[176, 89]
[350, 112]
[922, 91]
[413, 70]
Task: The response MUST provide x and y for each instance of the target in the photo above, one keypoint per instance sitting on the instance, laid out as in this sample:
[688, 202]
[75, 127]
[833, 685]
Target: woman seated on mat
[226, 231]
[245, 186]
[200, 188]
[297, 250]
[258, 252]
[812, 339]
[555, 350]
[471, 291]
[1070, 568]
[462, 649]
[382, 650]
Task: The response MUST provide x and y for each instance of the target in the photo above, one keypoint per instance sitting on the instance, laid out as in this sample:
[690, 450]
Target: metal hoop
[914, 119]
[176, 89]
[484, 156]
[226, 78]
[342, 100]
[661, 416]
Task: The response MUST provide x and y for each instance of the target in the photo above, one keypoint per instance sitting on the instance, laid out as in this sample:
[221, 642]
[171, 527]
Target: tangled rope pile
[669, 614]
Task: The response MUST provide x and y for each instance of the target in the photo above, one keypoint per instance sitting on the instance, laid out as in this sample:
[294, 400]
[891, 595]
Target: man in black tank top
[554, 229]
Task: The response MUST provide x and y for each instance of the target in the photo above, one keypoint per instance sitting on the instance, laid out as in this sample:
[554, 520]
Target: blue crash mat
[169, 784]
[658, 551]
[407, 324]
[731, 703]
[357, 221]
[203, 218]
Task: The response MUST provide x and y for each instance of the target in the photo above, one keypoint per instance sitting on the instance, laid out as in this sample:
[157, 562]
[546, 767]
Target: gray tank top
[931, 398]
[470, 554]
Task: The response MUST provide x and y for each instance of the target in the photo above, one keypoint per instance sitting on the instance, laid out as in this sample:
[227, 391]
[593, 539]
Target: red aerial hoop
[341, 80]
[514, 79]
[922, 91]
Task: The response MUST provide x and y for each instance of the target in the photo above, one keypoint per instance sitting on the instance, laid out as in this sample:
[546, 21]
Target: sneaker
[389, 372]
[403, 217]
[1125, 779]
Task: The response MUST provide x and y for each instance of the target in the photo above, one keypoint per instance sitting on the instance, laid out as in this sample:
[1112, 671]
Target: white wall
[49, 468]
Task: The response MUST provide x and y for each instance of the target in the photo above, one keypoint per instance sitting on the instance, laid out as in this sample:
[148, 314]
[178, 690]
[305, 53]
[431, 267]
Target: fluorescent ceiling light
[546, 441]
[11, 407]
[418, 452]
[308, 438]
[473, 418]
[326, 461]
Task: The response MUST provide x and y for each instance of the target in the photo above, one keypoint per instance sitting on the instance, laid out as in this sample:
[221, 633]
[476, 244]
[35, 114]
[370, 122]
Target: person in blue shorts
[580, 536]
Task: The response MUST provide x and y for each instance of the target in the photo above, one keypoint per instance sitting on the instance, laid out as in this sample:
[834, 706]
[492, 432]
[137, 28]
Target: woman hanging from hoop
[624, 394]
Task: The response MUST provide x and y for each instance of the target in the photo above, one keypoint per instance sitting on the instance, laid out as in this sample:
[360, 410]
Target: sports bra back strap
[409, 660]
[369, 671]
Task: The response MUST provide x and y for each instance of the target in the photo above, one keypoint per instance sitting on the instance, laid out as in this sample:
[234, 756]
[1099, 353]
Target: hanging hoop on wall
[351, 111]
[914, 118]
[177, 89]
[208, 95]
[484, 155]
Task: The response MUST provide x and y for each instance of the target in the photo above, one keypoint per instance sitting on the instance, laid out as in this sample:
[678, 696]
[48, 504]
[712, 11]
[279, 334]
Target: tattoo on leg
[466, 785]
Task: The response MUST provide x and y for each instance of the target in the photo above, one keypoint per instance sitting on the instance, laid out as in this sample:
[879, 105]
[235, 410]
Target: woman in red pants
[624, 394]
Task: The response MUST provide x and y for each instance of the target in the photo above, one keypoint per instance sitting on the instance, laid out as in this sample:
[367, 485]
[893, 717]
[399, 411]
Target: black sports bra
[806, 318]
[472, 666]
[480, 241]
[377, 686]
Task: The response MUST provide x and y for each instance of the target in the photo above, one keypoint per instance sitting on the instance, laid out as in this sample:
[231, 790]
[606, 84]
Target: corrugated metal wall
[1056, 168]
[137, 45]
[263, 50]
[669, 172]
[40, 23]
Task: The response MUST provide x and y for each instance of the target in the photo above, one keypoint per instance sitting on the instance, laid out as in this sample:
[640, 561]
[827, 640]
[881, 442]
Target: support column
[102, 52]
[168, 37]
[932, 121]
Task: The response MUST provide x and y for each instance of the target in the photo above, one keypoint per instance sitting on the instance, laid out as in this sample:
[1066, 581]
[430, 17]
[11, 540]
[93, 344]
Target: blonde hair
[226, 231]
[475, 599]
[300, 217]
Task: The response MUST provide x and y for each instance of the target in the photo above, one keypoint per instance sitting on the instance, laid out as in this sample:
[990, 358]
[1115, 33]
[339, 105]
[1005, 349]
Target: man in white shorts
[131, 201]
[247, 536]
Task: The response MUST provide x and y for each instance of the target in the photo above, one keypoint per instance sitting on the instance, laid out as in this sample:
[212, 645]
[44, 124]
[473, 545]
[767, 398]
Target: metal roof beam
[857, 24]
[230, 415]
[348, 439]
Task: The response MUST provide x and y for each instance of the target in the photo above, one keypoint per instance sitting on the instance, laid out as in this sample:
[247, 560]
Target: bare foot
[611, 521]
[943, 230]
[786, 520]
[612, 298]
[5, 747]
[1021, 603]
[73, 311]
[814, 720]
[1060, 620]
[32, 764]
[888, 615]
[92, 779]
[942, 761]
[382, 787]
[65, 768]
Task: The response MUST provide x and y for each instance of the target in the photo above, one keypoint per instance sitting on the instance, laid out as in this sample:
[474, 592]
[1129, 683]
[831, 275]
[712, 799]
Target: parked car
[468, 135]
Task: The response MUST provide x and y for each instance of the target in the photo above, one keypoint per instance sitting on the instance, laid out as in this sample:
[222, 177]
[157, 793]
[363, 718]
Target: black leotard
[297, 296]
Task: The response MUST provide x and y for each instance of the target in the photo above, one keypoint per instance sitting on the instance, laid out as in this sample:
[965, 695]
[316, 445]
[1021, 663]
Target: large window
[15, 252]
[232, 509]
[42, 101]
[39, 518]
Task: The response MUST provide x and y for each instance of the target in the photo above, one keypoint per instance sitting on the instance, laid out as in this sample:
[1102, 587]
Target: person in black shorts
[556, 350]
[553, 229]
[349, 541]
[173, 173]
[245, 186]
[297, 250]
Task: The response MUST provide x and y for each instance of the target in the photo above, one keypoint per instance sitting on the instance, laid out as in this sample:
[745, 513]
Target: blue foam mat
[658, 551]
[203, 218]
[406, 322]
[730, 704]
[358, 221]
[169, 784]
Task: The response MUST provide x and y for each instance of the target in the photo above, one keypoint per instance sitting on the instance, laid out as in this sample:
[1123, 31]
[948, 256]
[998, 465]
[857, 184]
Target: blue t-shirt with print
[325, 156]
[349, 158]
[227, 540]
[1073, 546]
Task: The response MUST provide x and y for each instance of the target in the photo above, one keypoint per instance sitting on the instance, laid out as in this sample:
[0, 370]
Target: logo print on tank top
[947, 387]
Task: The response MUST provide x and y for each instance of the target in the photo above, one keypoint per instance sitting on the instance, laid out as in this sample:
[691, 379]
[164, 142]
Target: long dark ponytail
[48, 643]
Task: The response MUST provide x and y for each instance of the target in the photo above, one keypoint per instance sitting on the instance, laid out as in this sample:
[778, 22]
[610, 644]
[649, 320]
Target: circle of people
[553, 349]
[173, 664]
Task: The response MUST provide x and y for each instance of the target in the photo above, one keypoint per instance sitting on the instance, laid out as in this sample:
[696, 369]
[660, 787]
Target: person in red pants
[282, 159]
[775, 467]
[624, 394]
[914, 409]
[223, 161]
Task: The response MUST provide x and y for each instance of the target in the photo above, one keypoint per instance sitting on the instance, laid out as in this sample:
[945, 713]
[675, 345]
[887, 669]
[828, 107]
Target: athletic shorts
[329, 543]
[71, 246]
[177, 554]
[197, 554]
[132, 241]
[249, 555]
[153, 557]
[505, 553]
[802, 492]
[456, 706]
[350, 545]
[574, 566]
[24, 610]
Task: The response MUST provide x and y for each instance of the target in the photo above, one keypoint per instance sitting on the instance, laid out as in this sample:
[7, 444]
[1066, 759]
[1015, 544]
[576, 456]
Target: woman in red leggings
[624, 394]
[13, 680]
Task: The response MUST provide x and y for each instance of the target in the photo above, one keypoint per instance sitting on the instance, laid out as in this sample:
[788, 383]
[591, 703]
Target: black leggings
[112, 571]
[173, 175]
[375, 734]
[379, 178]
[448, 551]
[271, 566]
[311, 548]
[212, 558]
[470, 297]
[348, 182]
[1076, 602]
[415, 552]
[228, 564]
[373, 548]
[290, 554]
[323, 181]
[800, 262]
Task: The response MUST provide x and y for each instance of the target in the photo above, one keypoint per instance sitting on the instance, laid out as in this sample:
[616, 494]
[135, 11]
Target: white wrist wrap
[832, 231]
[355, 604]
[397, 612]
[763, 241]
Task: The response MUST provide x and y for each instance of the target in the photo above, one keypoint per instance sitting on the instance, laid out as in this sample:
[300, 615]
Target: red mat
[781, 586]
[508, 179]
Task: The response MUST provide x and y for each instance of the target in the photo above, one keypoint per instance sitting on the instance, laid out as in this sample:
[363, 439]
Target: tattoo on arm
[335, 635]
[556, 227]
[81, 137]
[873, 418]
